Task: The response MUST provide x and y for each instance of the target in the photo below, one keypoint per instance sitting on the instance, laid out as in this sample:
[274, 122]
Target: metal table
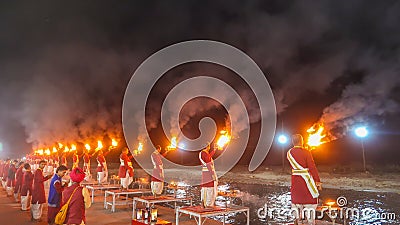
[201, 213]
[175, 188]
[118, 193]
[90, 183]
[93, 188]
[154, 200]
[229, 196]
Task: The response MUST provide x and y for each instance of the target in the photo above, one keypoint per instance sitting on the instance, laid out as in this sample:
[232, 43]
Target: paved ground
[11, 214]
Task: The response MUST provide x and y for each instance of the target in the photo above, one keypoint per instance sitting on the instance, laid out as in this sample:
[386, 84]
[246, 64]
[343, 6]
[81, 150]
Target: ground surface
[10, 212]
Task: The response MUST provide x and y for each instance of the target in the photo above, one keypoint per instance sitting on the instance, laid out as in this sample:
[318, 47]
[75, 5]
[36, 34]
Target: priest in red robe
[157, 178]
[26, 190]
[125, 169]
[64, 160]
[305, 180]
[11, 177]
[102, 169]
[18, 181]
[209, 179]
[38, 194]
[75, 160]
[86, 165]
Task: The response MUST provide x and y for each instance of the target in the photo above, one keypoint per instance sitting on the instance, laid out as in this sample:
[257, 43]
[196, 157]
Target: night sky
[64, 68]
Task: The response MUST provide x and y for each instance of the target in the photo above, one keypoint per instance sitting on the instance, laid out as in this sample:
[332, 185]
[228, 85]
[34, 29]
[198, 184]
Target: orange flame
[47, 151]
[114, 143]
[60, 145]
[66, 149]
[99, 145]
[54, 150]
[40, 151]
[223, 139]
[330, 203]
[87, 146]
[316, 136]
[73, 148]
[174, 143]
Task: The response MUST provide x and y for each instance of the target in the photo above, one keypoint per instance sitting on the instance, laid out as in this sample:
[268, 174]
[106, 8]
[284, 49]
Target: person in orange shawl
[80, 200]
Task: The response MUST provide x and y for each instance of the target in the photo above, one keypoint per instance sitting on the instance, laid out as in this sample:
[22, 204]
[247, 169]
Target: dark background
[64, 67]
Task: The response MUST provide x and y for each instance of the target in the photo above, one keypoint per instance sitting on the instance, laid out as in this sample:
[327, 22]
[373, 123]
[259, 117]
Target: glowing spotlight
[361, 132]
[282, 139]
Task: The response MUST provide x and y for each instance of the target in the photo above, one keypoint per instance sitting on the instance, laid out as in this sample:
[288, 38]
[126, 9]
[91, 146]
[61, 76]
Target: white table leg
[92, 195]
[134, 209]
[105, 200]
[248, 217]
[177, 216]
[113, 203]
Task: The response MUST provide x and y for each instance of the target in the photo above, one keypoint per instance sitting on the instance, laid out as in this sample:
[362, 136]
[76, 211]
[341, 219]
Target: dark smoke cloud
[373, 96]
[64, 68]
[309, 46]
[68, 98]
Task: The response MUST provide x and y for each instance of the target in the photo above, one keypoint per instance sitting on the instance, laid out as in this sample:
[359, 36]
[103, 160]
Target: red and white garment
[209, 179]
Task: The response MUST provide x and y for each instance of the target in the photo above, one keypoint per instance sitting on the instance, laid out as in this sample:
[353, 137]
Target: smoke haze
[64, 68]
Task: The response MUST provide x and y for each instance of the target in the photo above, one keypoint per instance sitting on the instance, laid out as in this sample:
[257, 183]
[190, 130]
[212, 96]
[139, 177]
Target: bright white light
[282, 139]
[181, 146]
[361, 132]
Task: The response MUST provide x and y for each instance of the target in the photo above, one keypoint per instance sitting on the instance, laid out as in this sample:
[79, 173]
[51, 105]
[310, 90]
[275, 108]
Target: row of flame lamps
[221, 142]
[72, 148]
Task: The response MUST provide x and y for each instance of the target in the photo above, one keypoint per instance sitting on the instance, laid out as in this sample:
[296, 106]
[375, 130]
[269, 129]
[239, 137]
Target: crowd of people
[25, 180]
